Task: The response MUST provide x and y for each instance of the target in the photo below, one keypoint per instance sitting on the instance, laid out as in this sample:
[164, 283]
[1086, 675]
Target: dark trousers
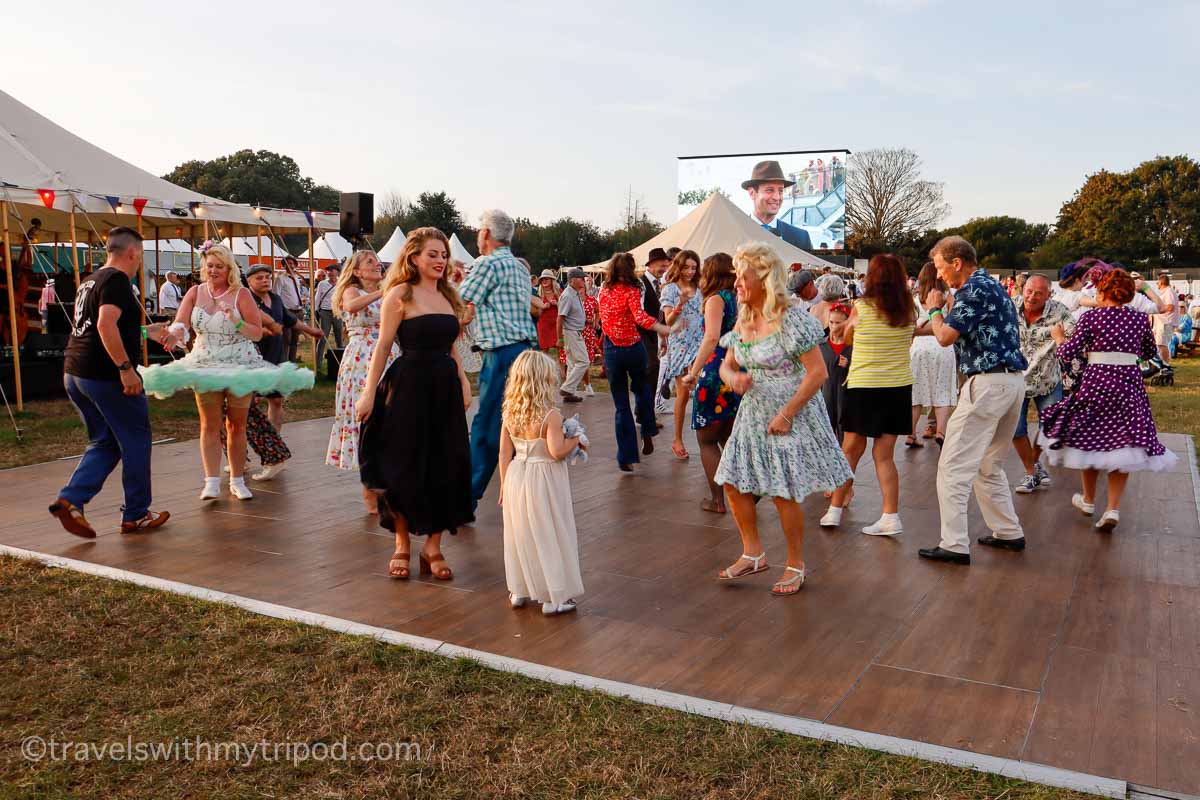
[485, 429]
[650, 342]
[626, 368]
[292, 335]
[118, 429]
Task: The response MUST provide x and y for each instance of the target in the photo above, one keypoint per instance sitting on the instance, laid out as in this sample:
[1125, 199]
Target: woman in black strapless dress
[413, 446]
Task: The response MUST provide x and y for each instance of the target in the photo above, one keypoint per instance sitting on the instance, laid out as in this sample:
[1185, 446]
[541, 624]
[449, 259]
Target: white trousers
[978, 438]
[577, 360]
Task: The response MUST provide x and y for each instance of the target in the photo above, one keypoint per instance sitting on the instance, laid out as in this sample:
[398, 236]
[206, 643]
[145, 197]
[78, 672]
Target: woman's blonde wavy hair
[404, 273]
[348, 278]
[530, 391]
[765, 263]
[225, 256]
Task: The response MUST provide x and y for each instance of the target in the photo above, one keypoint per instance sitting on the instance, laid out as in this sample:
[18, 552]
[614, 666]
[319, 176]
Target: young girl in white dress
[541, 552]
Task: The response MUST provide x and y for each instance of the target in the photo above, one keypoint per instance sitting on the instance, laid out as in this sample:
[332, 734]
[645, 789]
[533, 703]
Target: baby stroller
[1160, 374]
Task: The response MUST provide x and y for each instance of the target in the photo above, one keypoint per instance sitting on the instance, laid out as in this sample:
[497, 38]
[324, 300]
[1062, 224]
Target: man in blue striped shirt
[497, 294]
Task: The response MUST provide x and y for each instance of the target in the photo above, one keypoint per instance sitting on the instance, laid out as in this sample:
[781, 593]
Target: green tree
[256, 177]
[433, 210]
[1003, 243]
[1149, 215]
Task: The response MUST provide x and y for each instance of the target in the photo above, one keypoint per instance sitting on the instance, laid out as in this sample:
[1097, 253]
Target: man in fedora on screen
[766, 186]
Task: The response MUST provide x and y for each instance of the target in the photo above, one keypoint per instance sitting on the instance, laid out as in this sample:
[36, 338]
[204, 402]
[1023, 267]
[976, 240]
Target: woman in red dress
[547, 323]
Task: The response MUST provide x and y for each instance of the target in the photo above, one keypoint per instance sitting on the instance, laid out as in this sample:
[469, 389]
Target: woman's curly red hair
[1117, 286]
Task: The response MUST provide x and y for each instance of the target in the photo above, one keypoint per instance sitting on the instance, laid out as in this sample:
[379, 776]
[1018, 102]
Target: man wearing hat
[170, 296]
[571, 320]
[325, 316]
[766, 186]
[656, 266]
[803, 287]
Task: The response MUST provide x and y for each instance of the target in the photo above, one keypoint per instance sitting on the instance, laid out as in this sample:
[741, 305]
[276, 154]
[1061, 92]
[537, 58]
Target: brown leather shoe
[72, 519]
[152, 520]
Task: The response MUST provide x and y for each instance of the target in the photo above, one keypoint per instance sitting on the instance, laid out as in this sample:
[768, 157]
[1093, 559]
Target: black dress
[414, 447]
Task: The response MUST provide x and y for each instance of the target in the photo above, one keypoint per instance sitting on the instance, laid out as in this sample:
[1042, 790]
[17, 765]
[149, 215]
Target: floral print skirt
[352, 381]
[713, 401]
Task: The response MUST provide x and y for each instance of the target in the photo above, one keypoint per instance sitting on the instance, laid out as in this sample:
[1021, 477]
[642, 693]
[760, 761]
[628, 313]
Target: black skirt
[878, 412]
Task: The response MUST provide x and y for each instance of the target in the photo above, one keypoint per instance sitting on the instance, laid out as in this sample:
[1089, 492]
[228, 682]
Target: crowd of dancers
[789, 376]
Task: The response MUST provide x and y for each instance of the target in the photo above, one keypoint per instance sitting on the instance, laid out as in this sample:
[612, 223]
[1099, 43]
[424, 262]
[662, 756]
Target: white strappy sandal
[789, 582]
[758, 564]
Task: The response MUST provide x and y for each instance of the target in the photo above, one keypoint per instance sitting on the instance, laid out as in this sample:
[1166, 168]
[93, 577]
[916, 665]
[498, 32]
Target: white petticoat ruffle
[1124, 459]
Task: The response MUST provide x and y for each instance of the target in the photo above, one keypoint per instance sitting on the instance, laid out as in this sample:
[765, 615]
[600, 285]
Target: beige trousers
[978, 438]
[577, 360]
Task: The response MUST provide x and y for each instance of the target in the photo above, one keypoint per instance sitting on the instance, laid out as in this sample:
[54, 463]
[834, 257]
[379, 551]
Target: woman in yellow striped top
[878, 401]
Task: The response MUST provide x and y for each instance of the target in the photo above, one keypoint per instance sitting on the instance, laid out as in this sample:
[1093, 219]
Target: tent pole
[12, 308]
[157, 269]
[74, 246]
[192, 243]
[142, 297]
[312, 287]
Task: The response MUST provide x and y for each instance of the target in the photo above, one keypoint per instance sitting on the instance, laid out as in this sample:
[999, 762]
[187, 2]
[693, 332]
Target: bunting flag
[47, 196]
[139, 203]
[308, 215]
[113, 202]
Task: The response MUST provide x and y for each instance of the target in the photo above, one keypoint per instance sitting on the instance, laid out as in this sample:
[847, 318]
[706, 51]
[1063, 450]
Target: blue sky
[556, 109]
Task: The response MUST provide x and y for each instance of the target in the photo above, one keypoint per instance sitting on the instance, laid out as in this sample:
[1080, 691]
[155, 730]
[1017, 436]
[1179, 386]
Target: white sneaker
[832, 518]
[888, 525]
[1028, 484]
[550, 609]
[269, 473]
[1109, 521]
[238, 489]
[588, 391]
[517, 602]
[211, 490]
[1087, 509]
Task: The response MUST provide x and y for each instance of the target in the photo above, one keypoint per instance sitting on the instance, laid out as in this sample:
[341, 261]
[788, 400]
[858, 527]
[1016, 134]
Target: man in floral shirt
[1037, 315]
[984, 330]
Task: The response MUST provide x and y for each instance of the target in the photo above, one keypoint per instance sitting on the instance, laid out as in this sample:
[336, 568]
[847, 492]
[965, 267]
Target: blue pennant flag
[113, 201]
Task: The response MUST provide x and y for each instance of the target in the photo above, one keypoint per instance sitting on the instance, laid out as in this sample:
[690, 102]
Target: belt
[1116, 359]
[1000, 370]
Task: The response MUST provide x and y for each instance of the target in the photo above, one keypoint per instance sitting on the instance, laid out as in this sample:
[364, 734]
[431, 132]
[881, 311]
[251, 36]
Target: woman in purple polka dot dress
[1105, 424]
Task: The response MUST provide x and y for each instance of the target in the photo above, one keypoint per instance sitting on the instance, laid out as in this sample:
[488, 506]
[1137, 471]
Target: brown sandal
[442, 574]
[72, 519]
[399, 573]
[152, 520]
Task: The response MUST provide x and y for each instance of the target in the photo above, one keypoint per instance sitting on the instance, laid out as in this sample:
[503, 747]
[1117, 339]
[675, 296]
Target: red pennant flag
[47, 196]
[139, 203]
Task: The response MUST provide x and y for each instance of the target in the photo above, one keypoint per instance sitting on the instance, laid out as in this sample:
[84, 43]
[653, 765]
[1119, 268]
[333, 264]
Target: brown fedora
[767, 172]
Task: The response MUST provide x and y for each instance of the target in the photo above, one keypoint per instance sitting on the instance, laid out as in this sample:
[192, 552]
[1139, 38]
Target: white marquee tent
[458, 251]
[717, 226]
[395, 243]
[330, 247]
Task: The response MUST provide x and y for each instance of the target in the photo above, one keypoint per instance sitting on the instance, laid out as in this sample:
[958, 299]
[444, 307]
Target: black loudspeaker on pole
[357, 216]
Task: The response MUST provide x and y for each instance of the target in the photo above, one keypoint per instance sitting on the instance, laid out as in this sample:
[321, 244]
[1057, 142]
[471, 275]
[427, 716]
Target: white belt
[1113, 359]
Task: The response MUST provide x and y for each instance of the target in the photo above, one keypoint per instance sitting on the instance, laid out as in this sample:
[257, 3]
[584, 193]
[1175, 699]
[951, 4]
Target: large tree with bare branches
[887, 202]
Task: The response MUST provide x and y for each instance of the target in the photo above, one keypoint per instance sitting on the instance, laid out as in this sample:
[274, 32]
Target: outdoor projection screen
[816, 203]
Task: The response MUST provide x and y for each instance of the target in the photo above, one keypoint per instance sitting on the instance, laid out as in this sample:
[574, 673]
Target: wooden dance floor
[1083, 652]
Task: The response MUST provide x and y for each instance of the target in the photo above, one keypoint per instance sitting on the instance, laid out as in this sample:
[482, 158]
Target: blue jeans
[485, 429]
[626, 368]
[118, 429]
[1042, 402]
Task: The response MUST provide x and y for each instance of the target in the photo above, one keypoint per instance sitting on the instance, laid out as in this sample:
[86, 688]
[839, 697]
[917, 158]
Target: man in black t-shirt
[107, 391]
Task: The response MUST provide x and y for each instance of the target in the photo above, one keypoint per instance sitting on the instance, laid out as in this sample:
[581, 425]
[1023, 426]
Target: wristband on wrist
[144, 334]
[239, 325]
[934, 312]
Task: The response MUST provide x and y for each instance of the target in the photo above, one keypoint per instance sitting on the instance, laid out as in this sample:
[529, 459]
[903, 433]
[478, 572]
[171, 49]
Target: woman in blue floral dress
[782, 445]
[680, 299]
[714, 404]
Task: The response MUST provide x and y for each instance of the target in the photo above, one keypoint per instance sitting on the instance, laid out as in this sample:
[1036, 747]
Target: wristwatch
[125, 366]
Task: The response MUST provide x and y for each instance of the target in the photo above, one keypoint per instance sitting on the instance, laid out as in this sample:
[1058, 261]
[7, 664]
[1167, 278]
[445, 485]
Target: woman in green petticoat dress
[782, 445]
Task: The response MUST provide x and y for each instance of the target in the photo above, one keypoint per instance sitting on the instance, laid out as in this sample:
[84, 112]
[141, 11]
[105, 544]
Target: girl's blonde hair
[530, 391]
[404, 273]
[225, 256]
[348, 278]
[759, 258]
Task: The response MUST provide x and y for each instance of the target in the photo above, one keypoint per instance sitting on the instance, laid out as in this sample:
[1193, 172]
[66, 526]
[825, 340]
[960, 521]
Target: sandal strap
[790, 581]
[755, 559]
